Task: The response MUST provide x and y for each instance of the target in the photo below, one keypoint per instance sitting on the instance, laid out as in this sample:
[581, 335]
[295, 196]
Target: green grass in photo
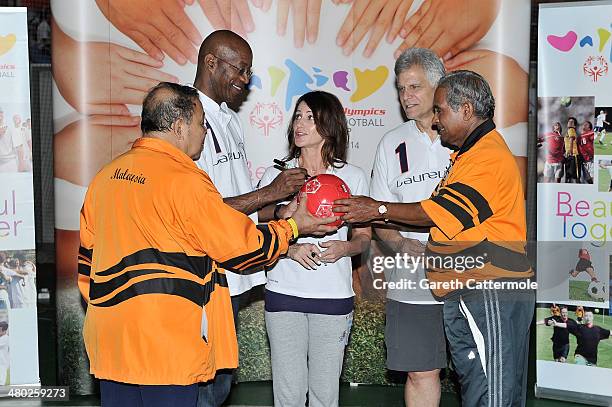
[544, 344]
[604, 180]
[606, 147]
[578, 291]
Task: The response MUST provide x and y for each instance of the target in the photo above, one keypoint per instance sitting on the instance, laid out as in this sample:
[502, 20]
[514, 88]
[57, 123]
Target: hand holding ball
[322, 190]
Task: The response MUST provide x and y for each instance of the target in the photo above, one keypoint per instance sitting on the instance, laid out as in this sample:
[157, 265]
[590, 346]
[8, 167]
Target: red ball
[322, 190]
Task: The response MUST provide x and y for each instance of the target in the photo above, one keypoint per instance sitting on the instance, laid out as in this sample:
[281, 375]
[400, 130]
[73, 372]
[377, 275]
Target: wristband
[294, 227]
[276, 209]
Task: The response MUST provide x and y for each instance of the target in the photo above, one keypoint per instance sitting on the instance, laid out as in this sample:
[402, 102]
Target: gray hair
[468, 86]
[426, 59]
[166, 103]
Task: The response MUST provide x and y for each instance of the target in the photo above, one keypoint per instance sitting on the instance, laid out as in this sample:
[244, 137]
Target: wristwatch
[382, 211]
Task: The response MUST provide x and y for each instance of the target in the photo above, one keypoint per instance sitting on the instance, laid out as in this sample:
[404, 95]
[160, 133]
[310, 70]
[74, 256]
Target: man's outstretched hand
[357, 209]
[311, 225]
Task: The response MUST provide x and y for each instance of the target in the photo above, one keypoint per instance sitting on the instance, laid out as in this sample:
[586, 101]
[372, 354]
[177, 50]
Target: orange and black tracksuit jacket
[155, 240]
[479, 216]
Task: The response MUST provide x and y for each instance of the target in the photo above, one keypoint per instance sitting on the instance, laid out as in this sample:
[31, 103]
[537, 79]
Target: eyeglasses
[241, 71]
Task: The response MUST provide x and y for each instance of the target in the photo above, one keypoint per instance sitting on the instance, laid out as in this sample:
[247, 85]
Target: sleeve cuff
[442, 219]
[285, 234]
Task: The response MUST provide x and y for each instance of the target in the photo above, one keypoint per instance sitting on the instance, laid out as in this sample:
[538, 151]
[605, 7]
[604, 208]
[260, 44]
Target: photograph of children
[574, 334]
[565, 139]
[601, 128]
[604, 174]
[585, 283]
[17, 279]
[15, 138]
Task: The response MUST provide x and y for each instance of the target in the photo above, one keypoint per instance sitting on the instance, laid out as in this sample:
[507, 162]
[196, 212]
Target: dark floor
[260, 394]
[243, 394]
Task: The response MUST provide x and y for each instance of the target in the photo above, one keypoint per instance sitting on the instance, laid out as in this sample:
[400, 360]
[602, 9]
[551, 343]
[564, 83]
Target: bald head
[224, 65]
[220, 43]
[165, 104]
[173, 113]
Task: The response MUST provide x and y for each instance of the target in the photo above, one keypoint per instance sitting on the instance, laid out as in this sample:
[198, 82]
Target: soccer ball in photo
[597, 290]
[565, 101]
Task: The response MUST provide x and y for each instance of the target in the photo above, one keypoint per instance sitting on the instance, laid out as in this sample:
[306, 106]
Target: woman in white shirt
[309, 294]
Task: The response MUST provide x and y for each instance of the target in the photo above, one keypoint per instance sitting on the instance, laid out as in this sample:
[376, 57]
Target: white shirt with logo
[407, 168]
[224, 160]
[329, 280]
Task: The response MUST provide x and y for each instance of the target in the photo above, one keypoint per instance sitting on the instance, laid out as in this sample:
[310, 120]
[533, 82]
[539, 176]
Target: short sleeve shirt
[479, 211]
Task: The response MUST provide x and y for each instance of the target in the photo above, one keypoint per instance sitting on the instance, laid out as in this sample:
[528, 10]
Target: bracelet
[294, 227]
[276, 210]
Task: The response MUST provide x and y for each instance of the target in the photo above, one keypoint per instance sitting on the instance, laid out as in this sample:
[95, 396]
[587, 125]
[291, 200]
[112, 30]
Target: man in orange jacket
[156, 239]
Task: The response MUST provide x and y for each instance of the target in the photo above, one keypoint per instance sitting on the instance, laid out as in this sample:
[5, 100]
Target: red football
[322, 191]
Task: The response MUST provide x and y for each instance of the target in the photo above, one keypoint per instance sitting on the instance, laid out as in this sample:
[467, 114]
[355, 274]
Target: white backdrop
[365, 86]
[18, 354]
[573, 216]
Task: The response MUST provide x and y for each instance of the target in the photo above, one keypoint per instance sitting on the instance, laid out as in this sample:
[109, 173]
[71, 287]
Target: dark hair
[3, 325]
[330, 122]
[468, 86]
[165, 104]
[590, 124]
[575, 121]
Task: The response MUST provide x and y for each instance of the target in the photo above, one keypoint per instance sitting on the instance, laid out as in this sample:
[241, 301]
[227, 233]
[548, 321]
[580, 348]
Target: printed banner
[574, 164]
[18, 316]
[293, 52]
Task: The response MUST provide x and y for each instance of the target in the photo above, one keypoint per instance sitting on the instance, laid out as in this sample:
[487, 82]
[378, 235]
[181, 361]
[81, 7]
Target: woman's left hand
[335, 250]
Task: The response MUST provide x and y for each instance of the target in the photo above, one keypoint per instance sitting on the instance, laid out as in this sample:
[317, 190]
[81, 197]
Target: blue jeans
[213, 393]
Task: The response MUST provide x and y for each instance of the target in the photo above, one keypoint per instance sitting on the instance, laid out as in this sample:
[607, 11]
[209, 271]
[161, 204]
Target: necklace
[312, 172]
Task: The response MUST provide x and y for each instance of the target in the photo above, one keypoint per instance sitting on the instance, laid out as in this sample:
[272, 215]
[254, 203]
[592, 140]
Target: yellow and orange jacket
[155, 240]
[479, 216]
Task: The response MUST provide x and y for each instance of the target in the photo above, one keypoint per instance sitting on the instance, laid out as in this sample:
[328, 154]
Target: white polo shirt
[224, 160]
[407, 168]
[329, 280]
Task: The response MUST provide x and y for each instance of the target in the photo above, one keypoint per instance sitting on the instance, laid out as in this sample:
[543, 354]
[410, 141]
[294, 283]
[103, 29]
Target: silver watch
[382, 211]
